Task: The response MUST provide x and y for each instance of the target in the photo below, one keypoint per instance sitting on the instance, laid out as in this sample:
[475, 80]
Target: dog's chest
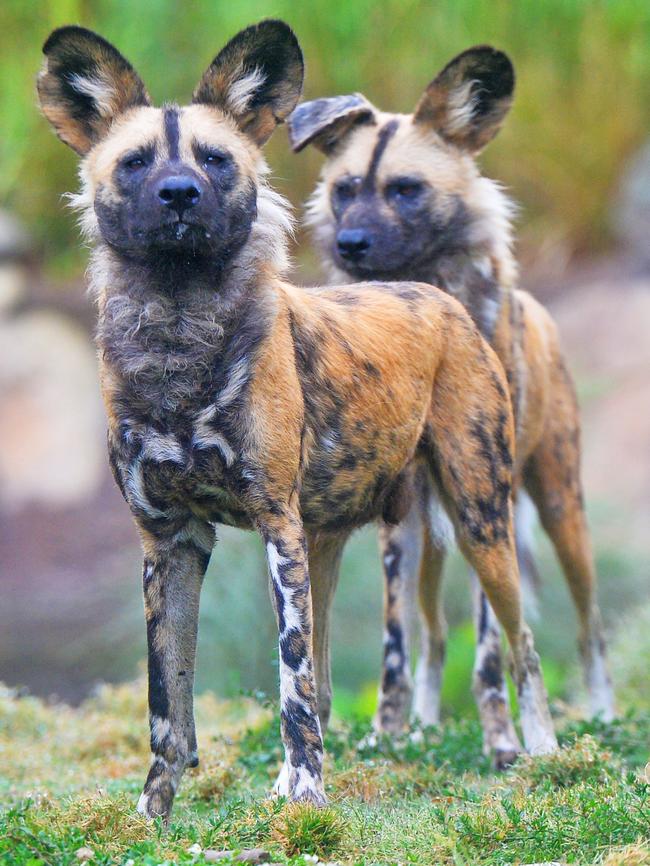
[178, 397]
[187, 465]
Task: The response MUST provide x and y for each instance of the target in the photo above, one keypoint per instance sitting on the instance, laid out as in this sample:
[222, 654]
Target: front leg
[174, 566]
[301, 732]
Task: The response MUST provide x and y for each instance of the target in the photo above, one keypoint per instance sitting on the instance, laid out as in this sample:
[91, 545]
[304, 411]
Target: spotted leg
[301, 731]
[496, 568]
[325, 551]
[174, 566]
[401, 553]
[471, 460]
[489, 685]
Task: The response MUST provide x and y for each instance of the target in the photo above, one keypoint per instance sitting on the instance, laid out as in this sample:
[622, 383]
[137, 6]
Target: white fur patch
[205, 437]
[539, 737]
[460, 108]
[160, 728]
[440, 525]
[160, 447]
[525, 521]
[428, 683]
[306, 784]
[281, 786]
[491, 227]
[98, 88]
[237, 378]
[135, 487]
[291, 612]
[242, 90]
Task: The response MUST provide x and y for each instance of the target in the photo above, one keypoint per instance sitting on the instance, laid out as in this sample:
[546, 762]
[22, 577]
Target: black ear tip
[496, 61]
[280, 31]
[65, 34]
[276, 25]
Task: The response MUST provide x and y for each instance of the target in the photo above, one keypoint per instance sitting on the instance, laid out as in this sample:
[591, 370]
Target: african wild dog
[234, 397]
[401, 197]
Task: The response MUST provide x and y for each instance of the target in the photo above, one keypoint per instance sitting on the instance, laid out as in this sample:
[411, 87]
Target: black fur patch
[172, 132]
[383, 137]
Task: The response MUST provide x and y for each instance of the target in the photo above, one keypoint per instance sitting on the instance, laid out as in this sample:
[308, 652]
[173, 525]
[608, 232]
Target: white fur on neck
[491, 227]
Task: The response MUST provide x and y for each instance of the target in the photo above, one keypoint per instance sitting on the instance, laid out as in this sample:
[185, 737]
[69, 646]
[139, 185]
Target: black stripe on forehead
[171, 131]
[383, 137]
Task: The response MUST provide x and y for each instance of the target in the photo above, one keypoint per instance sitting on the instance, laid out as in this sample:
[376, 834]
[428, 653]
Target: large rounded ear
[468, 100]
[257, 78]
[84, 84]
[325, 122]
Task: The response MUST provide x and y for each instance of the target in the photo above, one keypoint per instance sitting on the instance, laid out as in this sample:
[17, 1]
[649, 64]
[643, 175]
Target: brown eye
[213, 158]
[134, 163]
[404, 189]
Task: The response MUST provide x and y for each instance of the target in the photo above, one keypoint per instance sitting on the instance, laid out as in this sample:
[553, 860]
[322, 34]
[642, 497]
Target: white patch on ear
[100, 90]
[460, 108]
[242, 90]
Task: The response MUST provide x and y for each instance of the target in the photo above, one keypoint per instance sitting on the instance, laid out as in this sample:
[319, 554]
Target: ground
[69, 780]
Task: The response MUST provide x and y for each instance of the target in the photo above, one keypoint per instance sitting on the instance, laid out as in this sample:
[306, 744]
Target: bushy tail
[525, 518]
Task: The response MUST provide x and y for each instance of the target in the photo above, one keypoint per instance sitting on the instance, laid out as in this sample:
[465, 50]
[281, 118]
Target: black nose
[352, 243]
[179, 192]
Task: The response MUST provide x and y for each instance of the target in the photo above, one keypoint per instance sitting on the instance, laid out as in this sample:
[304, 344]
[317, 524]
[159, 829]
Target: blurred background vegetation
[582, 103]
[70, 564]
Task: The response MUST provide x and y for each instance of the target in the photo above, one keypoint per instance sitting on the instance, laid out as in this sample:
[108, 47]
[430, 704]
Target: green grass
[69, 779]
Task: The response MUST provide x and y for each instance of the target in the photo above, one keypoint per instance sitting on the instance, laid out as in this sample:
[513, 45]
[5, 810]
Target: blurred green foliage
[582, 99]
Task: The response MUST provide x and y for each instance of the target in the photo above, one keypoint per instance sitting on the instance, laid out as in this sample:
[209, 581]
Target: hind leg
[489, 685]
[401, 554]
[470, 441]
[491, 553]
[325, 554]
[497, 573]
[552, 478]
[433, 627]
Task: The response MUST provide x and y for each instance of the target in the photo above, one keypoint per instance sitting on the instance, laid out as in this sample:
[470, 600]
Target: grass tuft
[580, 761]
[304, 829]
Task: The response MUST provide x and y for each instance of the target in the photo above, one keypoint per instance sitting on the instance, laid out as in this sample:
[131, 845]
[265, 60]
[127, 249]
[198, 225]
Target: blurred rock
[632, 210]
[15, 242]
[51, 419]
[15, 246]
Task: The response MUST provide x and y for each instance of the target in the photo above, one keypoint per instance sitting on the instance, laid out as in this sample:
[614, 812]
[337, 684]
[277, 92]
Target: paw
[281, 786]
[306, 787]
[192, 760]
[504, 758]
[156, 803]
[394, 708]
